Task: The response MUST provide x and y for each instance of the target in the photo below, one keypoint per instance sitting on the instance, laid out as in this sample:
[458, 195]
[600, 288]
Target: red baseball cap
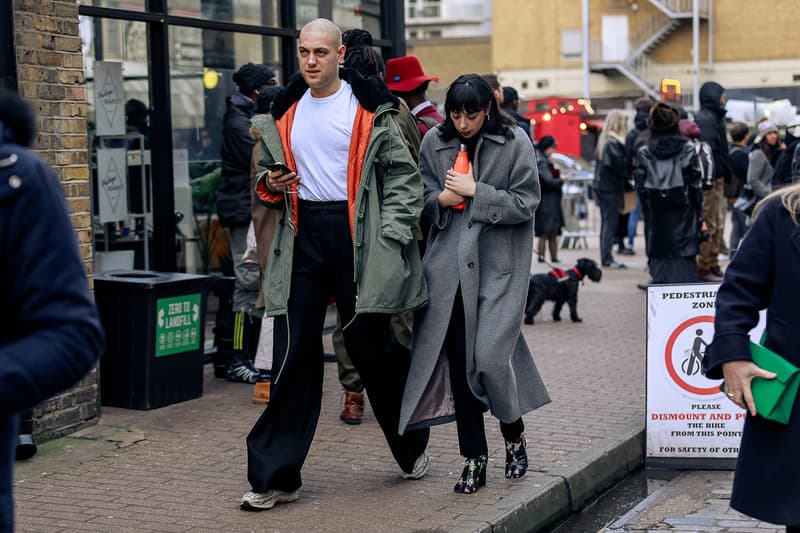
[404, 74]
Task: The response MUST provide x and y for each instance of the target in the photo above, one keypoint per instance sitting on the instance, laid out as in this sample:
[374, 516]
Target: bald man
[350, 197]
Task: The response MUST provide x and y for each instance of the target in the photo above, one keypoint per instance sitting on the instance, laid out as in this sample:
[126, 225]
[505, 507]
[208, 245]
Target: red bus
[569, 120]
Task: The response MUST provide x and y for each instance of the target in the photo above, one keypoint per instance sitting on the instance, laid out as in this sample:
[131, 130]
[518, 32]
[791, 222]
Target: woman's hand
[448, 198]
[738, 375]
[461, 184]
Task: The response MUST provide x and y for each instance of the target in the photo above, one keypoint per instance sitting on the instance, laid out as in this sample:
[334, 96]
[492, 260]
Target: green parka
[384, 211]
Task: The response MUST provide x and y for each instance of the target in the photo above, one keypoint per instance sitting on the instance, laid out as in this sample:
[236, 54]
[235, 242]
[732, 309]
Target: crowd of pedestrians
[688, 176]
[340, 188]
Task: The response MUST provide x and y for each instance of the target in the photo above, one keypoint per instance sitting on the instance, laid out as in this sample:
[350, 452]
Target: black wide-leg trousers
[469, 409]
[322, 266]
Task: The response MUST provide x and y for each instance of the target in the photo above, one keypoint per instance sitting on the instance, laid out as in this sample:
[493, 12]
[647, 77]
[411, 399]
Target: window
[192, 47]
[363, 14]
[202, 63]
[425, 9]
[131, 5]
[571, 44]
[240, 11]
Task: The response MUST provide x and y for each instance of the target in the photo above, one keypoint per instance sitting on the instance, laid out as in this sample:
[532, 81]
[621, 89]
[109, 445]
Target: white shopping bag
[264, 352]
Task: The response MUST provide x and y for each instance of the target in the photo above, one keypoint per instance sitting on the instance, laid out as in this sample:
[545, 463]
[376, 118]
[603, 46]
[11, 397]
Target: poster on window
[688, 417]
[112, 185]
[109, 99]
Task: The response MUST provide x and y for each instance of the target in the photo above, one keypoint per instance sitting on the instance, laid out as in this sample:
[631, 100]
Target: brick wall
[50, 72]
[447, 59]
[749, 40]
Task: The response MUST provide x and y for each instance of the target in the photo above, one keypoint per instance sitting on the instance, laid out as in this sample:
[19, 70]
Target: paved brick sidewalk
[183, 467]
[695, 501]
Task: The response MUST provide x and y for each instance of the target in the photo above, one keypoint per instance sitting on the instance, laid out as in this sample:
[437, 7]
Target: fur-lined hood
[371, 92]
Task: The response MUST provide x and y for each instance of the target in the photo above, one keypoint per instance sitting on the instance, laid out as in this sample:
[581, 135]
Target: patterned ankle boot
[516, 458]
[474, 475]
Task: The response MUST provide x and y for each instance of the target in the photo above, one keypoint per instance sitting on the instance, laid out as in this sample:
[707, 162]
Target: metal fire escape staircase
[639, 67]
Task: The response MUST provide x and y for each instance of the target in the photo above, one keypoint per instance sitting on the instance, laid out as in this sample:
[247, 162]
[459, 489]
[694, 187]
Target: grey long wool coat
[486, 249]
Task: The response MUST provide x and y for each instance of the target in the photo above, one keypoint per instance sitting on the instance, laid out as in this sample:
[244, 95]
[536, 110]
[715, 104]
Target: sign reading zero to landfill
[688, 417]
[177, 324]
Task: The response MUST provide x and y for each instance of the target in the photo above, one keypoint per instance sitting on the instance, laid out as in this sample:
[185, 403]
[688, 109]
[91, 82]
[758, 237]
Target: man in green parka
[350, 206]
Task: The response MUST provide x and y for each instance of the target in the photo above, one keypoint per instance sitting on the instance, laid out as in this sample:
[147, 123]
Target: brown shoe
[353, 408]
[261, 392]
[708, 276]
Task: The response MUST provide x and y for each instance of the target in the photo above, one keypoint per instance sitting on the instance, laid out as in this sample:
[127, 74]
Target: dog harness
[560, 275]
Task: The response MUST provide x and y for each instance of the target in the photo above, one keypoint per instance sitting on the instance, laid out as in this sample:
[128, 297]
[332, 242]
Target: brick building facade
[537, 46]
[50, 75]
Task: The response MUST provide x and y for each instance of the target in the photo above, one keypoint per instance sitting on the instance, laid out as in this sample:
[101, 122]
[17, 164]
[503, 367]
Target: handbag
[629, 200]
[774, 398]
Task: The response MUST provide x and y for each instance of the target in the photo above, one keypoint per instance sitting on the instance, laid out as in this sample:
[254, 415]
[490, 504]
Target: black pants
[323, 265]
[469, 409]
[609, 217]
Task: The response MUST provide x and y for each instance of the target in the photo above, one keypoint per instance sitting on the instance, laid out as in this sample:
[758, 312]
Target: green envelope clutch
[774, 397]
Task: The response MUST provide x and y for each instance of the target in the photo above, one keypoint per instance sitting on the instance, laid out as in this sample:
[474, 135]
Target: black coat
[763, 274]
[783, 166]
[635, 139]
[711, 121]
[611, 172]
[549, 218]
[522, 122]
[671, 233]
[50, 333]
[234, 195]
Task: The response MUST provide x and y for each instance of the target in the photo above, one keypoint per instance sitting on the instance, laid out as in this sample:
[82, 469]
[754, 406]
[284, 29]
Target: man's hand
[461, 184]
[738, 375]
[279, 182]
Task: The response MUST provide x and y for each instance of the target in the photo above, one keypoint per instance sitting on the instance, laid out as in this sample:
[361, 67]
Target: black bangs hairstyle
[471, 93]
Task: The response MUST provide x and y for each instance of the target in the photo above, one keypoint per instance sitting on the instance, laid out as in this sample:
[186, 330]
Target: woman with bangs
[468, 352]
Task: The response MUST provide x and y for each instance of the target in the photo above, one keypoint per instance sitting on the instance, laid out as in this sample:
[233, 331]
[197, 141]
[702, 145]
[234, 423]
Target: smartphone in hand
[279, 167]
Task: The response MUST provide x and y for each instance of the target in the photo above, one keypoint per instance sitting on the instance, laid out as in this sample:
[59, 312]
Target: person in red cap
[406, 79]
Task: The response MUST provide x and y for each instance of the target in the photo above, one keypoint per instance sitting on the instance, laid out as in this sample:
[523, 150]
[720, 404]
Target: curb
[566, 489]
[654, 498]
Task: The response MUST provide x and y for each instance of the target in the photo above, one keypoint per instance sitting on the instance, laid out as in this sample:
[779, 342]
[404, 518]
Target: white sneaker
[420, 467]
[262, 501]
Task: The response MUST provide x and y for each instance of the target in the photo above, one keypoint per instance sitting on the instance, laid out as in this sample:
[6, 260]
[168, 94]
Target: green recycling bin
[155, 323]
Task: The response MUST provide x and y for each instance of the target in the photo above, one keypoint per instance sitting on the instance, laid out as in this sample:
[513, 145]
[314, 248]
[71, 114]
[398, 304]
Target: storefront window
[347, 14]
[202, 63]
[195, 47]
[130, 5]
[125, 43]
[364, 14]
[256, 12]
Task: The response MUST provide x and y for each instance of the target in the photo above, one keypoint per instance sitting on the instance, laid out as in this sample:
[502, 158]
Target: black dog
[561, 287]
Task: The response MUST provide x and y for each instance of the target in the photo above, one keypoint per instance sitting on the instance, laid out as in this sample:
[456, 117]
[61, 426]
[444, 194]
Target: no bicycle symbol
[684, 354]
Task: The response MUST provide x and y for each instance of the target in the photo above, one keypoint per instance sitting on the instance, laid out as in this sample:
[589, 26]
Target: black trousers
[469, 409]
[609, 218]
[323, 265]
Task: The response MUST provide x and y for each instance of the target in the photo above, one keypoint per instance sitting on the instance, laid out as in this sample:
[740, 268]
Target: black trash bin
[154, 324]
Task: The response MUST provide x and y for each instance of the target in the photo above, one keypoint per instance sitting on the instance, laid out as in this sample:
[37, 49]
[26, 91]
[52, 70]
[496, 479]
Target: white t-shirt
[320, 142]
